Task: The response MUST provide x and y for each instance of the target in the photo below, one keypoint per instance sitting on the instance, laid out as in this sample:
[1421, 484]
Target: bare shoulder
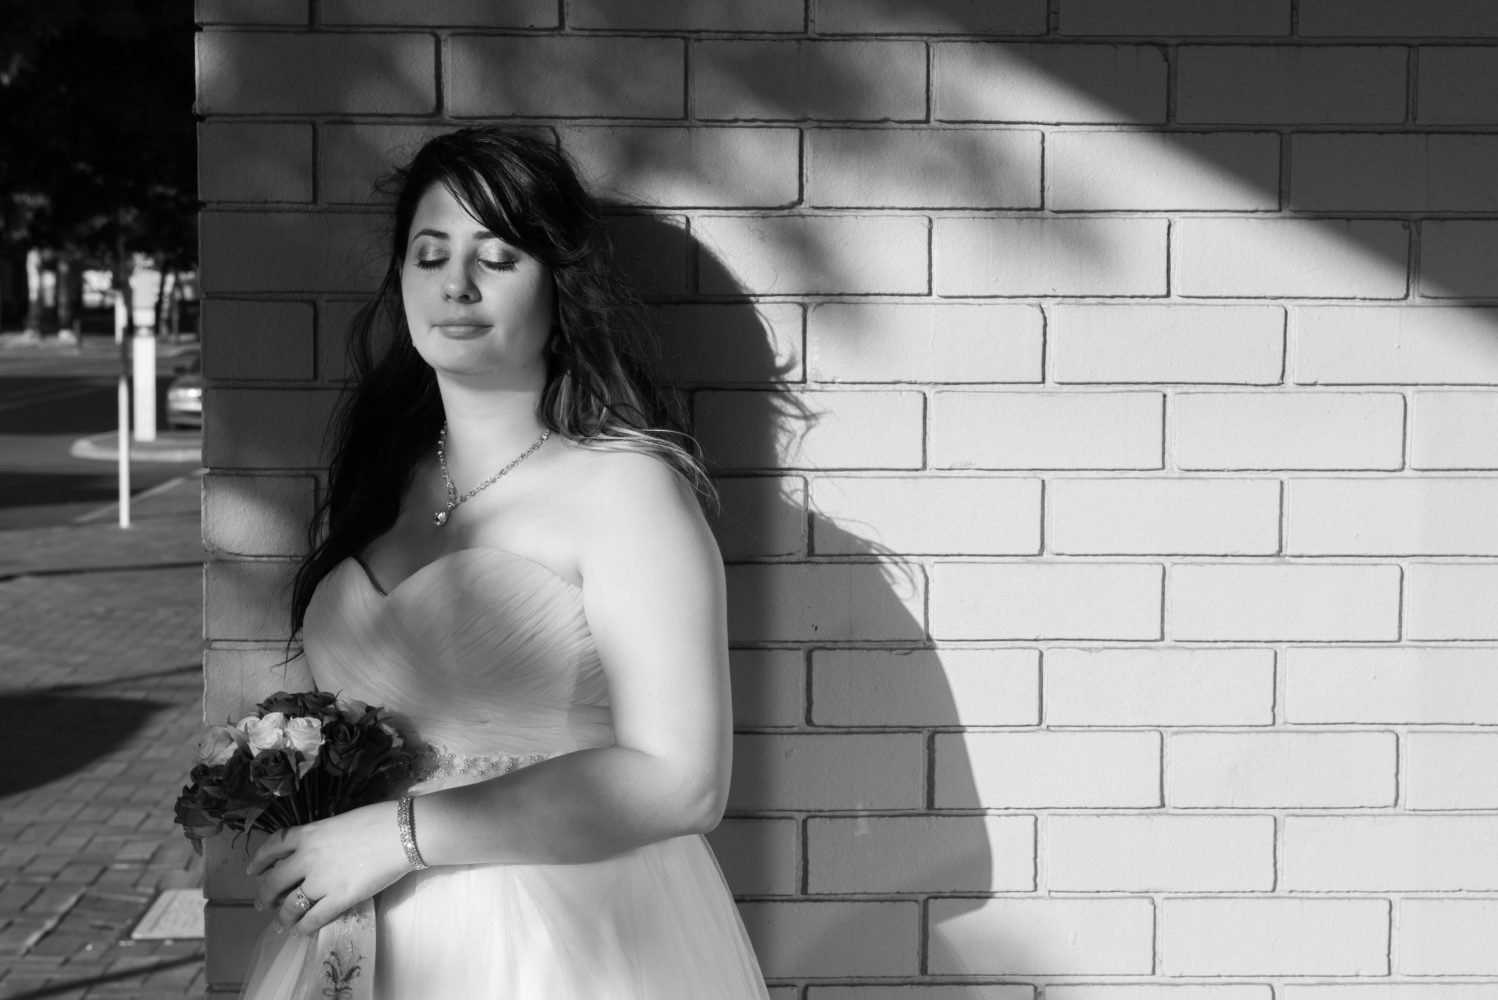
[622, 500]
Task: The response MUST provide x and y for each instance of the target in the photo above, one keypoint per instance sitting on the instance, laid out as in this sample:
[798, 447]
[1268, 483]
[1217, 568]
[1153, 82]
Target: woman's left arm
[653, 594]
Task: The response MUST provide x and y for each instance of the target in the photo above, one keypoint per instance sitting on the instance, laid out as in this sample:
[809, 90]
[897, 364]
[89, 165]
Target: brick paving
[100, 688]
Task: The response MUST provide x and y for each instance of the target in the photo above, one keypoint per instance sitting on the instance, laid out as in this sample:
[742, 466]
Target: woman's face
[477, 307]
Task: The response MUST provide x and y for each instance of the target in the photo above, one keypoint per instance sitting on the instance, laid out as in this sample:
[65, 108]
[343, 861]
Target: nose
[459, 286]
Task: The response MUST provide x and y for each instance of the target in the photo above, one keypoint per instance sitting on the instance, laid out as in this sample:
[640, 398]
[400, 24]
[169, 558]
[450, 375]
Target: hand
[337, 862]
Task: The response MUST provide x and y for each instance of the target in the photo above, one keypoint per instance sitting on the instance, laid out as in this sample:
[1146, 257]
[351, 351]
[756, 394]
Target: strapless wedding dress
[485, 658]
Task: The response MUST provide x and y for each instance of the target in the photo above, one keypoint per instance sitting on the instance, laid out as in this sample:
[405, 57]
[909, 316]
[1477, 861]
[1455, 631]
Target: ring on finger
[301, 900]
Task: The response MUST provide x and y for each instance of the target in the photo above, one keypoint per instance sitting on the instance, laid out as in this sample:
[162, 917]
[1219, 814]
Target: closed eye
[431, 264]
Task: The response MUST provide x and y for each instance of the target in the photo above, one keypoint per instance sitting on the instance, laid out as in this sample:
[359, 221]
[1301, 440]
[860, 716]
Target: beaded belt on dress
[433, 762]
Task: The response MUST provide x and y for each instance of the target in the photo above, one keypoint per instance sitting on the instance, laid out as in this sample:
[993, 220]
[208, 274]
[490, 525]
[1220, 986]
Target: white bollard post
[144, 356]
[122, 439]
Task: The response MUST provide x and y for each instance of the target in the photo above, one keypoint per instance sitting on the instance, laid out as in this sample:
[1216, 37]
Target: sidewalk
[100, 687]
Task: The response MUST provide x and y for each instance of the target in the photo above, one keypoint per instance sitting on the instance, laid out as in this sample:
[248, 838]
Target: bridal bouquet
[299, 758]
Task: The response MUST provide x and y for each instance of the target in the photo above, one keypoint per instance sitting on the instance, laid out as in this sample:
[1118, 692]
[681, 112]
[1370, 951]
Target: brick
[353, 158]
[923, 168]
[1287, 602]
[1288, 430]
[1401, 516]
[759, 857]
[1162, 171]
[258, 340]
[862, 854]
[247, 600]
[1457, 85]
[668, 15]
[1174, 343]
[267, 429]
[258, 515]
[712, 167]
[807, 255]
[241, 73]
[991, 991]
[1393, 173]
[1291, 258]
[1041, 936]
[1451, 771]
[834, 939]
[761, 516]
[333, 363]
[1159, 687]
[1159, 853]
[1232, 991]
[841, 430]
[251, 11]
[528, 76]
[253, 161]
[1044, 256]
[224, 864]
[652, 252]
[236, 677]
[1451, 601]
[289, 251]
[1453, 259]
[1445, 937]
[442, 13]
[1164, 516]
[845, 771]
[1262, 84]
[818, 80]
[1414, 685]
[1398, 853]
[935, 17]
[1397, 18]
[731, 343]
[1392, 991]
[1270, 770]
[925, 687]
[826, 602]
[1047, 430]
[925, 342]
[1289, 937]
[1454, 430]
[1047, 770]
[1174, 18]
[991, 81]
[1403, 345]
[1045, 601]
[930, 514]
[769, 687]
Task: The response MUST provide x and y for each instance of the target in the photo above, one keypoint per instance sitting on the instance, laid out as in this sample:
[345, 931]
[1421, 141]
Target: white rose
[266, 733]
[352, 708]
[305, 734]
[219, 744]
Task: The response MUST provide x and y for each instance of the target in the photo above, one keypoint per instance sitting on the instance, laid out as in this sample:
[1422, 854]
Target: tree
[98, 161]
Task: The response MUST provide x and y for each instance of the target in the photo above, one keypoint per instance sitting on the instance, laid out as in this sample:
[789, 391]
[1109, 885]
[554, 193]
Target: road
[48, 400]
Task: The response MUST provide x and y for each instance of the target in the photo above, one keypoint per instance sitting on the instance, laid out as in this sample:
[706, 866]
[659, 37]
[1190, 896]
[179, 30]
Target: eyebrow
[480, 234]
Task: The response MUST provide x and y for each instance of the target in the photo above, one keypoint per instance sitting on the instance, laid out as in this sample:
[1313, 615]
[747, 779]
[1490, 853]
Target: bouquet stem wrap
[336, 964]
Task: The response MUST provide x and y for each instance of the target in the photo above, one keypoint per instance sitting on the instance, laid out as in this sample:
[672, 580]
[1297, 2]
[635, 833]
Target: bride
[516, 564]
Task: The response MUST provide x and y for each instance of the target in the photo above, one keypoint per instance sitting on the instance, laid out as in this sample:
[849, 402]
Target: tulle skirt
[656, 923]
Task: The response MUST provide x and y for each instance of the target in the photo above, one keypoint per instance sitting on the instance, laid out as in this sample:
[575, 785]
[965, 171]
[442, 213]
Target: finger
[292, 917]
[277, 846]
[324, 911]
[276, 882]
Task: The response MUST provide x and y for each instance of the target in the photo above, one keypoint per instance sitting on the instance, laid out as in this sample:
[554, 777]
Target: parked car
[184, 396]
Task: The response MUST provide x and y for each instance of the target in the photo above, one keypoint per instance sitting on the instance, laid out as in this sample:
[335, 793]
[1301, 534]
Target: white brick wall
[1104, 395]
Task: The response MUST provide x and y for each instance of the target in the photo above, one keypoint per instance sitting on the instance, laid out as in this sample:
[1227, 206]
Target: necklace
[453, 500]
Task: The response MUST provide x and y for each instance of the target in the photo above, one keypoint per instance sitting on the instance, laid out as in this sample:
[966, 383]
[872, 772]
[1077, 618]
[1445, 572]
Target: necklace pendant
[439, 518]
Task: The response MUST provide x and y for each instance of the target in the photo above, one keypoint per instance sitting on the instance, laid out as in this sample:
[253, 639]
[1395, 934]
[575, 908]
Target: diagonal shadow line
[72, 985]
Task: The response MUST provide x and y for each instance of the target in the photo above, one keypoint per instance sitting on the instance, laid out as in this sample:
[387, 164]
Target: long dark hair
[602, 384]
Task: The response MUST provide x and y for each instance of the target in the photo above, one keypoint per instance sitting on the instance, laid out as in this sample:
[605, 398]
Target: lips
[461, 327]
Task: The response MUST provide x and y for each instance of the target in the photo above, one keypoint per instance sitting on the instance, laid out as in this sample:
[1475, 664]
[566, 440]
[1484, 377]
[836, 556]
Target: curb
[172, 446]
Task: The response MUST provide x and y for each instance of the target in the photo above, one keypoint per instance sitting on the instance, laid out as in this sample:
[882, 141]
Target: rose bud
[305, 734]
[218, 744]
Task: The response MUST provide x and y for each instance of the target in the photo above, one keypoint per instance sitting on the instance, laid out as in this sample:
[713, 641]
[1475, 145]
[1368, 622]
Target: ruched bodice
[482, 651]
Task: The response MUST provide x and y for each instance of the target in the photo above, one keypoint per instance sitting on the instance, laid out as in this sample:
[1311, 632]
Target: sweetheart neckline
[387, 594]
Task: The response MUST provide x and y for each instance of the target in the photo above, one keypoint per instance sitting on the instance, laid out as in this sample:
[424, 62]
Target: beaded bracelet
[403, 823]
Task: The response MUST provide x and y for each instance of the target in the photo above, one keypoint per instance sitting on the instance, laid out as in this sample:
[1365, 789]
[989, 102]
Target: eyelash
[493, 265]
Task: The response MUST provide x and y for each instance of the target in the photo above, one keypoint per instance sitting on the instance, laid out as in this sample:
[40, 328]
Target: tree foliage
[96, 105]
